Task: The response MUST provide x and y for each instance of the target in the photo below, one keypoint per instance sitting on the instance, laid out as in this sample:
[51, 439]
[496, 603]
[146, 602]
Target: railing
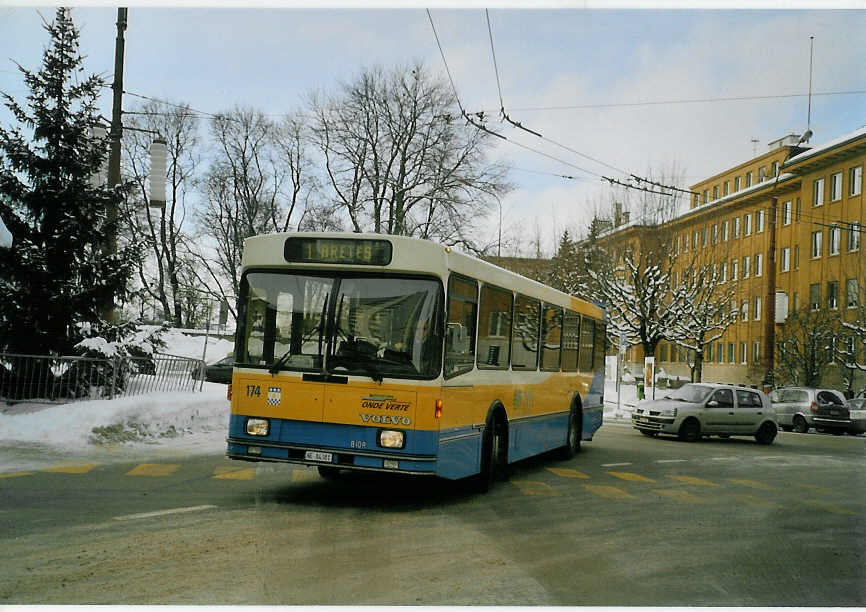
[42, 379]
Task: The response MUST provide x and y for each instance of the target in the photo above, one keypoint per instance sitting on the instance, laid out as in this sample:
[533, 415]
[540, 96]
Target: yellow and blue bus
[395, 354]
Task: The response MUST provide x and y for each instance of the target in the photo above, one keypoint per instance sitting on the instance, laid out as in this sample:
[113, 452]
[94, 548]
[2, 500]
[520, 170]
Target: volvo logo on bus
[385, 419]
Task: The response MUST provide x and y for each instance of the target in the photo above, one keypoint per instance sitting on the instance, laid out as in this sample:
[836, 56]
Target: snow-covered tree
[851, 345]
[707, 307]
[804, 348]
[59, 270]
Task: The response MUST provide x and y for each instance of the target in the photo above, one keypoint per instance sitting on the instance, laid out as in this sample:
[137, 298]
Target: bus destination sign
[357, 251]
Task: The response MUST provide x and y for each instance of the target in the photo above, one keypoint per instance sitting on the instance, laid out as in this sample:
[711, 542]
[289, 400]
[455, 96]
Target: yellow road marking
[303, 476]
[753, 500]
[752, 484]
[630, 476]
[532, 487]
[608, 492]
[682, 496]
[228, 473]
[695, 481]
[827, 507]
[566, 473]
[71, 469]
[153, 469]
[16, 474]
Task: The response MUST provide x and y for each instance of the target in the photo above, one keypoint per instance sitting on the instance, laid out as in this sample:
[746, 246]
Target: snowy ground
[37, 436]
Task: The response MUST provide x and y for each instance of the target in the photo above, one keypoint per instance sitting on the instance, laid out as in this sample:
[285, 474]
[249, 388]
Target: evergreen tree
[58, 272]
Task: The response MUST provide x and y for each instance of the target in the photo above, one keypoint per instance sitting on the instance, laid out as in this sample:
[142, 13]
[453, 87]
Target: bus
[396, 354]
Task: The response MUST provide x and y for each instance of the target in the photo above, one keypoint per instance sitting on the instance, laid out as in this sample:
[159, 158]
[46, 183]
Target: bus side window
[600, 347]
[460, 327]
[587, 338]
[494, 327]
[551, 334]
[524, 340]
[570, 340]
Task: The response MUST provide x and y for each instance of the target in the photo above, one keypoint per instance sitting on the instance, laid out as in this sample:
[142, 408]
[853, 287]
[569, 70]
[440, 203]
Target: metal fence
[42, 379]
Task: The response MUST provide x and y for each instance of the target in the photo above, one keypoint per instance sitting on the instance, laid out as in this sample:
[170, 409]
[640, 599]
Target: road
[629, 521]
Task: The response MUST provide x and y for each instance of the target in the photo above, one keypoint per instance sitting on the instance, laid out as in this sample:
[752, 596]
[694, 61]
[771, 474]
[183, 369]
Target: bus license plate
[318, 456]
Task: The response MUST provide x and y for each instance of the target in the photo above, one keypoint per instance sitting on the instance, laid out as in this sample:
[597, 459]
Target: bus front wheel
[572, 440]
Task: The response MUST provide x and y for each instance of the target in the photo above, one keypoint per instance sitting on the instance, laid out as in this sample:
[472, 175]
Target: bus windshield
[369, 326]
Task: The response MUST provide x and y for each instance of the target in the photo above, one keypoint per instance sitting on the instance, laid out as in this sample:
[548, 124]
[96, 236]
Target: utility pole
[115, 135]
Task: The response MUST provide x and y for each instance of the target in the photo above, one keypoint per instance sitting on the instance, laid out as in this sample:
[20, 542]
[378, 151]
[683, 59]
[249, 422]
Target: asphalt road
[629, 521]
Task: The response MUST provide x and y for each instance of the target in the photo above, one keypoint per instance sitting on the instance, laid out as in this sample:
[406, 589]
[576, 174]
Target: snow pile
[143, 419]
[182, 345]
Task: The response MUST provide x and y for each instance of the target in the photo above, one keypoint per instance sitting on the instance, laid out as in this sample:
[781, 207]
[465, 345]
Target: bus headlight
[389, 438]
[257, 427]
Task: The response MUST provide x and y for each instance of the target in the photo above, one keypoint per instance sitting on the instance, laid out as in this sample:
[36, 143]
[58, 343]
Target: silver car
[796, 407]
[704, 409]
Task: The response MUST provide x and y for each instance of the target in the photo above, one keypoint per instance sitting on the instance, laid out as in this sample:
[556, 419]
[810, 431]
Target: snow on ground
[37, 436]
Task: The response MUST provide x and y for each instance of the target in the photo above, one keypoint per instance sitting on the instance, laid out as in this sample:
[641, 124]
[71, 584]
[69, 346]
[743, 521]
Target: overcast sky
[638, 66]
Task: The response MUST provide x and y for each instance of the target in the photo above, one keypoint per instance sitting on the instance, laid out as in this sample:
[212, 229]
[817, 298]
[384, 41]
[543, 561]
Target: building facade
[819, 259]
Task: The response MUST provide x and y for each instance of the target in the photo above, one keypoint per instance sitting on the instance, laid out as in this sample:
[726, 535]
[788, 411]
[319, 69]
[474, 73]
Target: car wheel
[329, 473]
[572, 441]
[690, 430]
[649, 434]
[800, 424]
[766, 433]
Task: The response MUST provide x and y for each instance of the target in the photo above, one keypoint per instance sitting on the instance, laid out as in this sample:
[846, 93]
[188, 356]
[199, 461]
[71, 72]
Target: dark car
[218, 372]
[838, 418]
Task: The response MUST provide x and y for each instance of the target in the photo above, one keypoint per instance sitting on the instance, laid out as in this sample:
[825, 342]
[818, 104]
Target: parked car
[704, 409]
[219, 371]
[839, 419]
[796, 407]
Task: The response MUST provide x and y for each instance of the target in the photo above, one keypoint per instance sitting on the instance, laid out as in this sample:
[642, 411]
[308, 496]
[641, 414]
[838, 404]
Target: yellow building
[820, 255]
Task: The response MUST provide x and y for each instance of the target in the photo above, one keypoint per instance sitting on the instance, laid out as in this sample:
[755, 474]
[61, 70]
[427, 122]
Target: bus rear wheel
[572, 440]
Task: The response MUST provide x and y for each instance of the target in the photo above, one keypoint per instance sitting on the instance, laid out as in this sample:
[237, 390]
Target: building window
[747, 225]
[854, 231]
[743, 353]
[815, 296]
[724, 231]
[796, 301]
[730, 352]
[744, 310]
[736, 228]
[736, 183]
[703, 236]
[727, 187]
[855, 180]
[785, 260]
[762, 174]
[715, 192]
[796, 256]
[816, 244]
[759, 263]
[748, 179]
[818, 192]
[775, 168]
[836, 187]
[685, 242]
[851, 297]
[706, 195]
[834, 238]
[756, 352]
[709, 353]
[724, 271]
[747, 269]
[735, 265]
[786, 213]
[756, 309]
[720, 352]
[715, 233]
[694, 241]
[759, 221]
[832, 295]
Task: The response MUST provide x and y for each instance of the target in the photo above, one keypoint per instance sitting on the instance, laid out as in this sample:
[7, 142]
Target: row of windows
[737, 353]
[722, 231]
[831, 296]
[855, 186]
[517, 331]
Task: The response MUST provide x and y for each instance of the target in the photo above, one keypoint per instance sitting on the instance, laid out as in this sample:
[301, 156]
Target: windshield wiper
[275, 366]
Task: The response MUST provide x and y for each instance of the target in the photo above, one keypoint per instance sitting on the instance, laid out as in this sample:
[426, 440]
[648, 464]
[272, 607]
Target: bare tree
[398, 163]
[161, 230]
[851, 345]
[804, 348]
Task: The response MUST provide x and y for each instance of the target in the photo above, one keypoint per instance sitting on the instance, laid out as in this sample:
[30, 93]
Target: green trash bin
[640, 390]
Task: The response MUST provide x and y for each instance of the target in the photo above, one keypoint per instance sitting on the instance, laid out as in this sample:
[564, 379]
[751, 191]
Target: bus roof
[413, 255]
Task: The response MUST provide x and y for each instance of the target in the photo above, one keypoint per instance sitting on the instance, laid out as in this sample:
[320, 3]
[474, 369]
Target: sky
[612, 91]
